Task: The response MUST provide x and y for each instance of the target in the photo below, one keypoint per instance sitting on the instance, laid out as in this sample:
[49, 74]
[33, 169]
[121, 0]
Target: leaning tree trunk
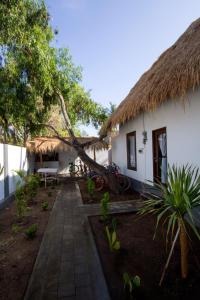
[110, 178]
[184, 250]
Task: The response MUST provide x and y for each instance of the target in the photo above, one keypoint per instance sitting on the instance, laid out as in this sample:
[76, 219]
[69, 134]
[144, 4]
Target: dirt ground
[87, 199]
[143, 256]
[17, 253]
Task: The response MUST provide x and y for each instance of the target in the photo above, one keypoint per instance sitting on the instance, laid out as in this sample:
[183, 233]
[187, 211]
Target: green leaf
[136, 281]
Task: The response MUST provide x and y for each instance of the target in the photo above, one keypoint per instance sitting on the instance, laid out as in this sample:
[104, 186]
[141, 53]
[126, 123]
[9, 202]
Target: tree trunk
[109, 178]
[184, 250]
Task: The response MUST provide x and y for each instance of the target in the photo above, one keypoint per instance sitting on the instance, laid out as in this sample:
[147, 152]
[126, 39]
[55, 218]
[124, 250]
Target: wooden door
[159, 155]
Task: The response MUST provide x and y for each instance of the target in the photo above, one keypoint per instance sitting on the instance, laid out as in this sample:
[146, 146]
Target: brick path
[68, 266]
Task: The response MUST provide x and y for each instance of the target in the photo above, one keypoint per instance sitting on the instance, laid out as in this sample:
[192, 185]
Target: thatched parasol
[175, 72]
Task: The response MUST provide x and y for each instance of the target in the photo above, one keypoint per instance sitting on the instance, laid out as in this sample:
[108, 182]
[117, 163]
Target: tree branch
[93, 141]
[57, 135]
[66, 118]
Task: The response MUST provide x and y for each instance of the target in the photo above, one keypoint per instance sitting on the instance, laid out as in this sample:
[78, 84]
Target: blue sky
[116, 41]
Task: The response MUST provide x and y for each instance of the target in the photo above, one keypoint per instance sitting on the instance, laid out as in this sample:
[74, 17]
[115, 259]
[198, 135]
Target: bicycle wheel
[74, 169]
[124, 182]
[99, 182]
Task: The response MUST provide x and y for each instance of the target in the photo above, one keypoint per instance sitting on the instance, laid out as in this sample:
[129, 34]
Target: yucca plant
[178, 197]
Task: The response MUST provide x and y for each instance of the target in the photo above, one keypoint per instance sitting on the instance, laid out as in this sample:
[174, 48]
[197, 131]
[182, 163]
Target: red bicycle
[123, 181]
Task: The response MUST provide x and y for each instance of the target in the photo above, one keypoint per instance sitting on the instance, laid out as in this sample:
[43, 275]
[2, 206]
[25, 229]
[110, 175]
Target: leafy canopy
[32, 71]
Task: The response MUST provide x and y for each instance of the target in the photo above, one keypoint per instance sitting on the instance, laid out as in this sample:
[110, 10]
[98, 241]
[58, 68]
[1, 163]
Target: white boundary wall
[11, 158]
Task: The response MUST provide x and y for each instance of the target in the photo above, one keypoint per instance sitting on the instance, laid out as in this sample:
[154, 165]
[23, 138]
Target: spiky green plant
[111, 234]
[131, 283]
[21, 174]
[179, 196]
[90, 186]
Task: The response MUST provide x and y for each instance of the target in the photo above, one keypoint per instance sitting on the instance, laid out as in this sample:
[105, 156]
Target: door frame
[155, 149]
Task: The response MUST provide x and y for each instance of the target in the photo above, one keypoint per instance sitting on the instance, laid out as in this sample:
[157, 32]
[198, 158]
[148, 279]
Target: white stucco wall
[17, 160]
[11, 158]
[101, 156]
[182, 122]
[2, 175]
[66, 157]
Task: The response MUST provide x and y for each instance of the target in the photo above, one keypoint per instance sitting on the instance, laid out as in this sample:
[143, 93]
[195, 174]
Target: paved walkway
[68, 266]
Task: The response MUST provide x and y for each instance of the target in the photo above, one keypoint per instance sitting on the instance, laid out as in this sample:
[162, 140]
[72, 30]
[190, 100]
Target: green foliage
[32, 185]
[44, 205]
[49, 194]
[31, 231]
[104, 207]
[90, 186]
[20, 198]
[30, 182]
[21, 174]
[26, 189]
[111, 234]
[27, 57]
[15, 228]
[131, 283]
[179, 196]
[37, 72]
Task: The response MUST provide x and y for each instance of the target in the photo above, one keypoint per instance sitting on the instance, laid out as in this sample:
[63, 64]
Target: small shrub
[131, 283]
[49, 194]
[15, 228]
[114, 243]
[21, 174]
[32, 184]
[21, 204]
[90, 186]
[104, 207]
[31, 231]
[45, 205]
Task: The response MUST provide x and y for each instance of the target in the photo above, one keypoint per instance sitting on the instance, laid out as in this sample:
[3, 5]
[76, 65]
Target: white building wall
[182, 122]
[101, 156]
[17, 160]
[66, 157]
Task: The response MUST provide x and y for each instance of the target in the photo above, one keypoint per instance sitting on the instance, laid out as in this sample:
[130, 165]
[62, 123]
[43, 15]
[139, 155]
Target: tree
[34, 76]
[179, 196]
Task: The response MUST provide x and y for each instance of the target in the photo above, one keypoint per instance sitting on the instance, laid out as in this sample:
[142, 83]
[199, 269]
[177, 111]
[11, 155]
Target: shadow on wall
[5, 195]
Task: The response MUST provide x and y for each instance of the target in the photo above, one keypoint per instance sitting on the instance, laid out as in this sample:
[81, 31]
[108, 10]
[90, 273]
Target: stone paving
[67, 266]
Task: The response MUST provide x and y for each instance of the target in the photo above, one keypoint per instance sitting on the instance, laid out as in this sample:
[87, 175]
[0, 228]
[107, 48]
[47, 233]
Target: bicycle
[73, 169]
[78, 169]
[123, 181]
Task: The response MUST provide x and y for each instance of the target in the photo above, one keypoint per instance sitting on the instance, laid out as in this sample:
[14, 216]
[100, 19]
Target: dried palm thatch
[49, 144]
[175, 72]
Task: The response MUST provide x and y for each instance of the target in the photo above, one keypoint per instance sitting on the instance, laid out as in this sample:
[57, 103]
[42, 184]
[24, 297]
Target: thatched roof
[50, 144]
[175, 72]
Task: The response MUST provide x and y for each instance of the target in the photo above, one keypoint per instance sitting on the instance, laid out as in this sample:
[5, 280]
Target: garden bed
[87, 199]
[143, 256]
[17, 253]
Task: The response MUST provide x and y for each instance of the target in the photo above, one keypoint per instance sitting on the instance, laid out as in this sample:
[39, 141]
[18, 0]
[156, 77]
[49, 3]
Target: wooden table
[45, 172]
